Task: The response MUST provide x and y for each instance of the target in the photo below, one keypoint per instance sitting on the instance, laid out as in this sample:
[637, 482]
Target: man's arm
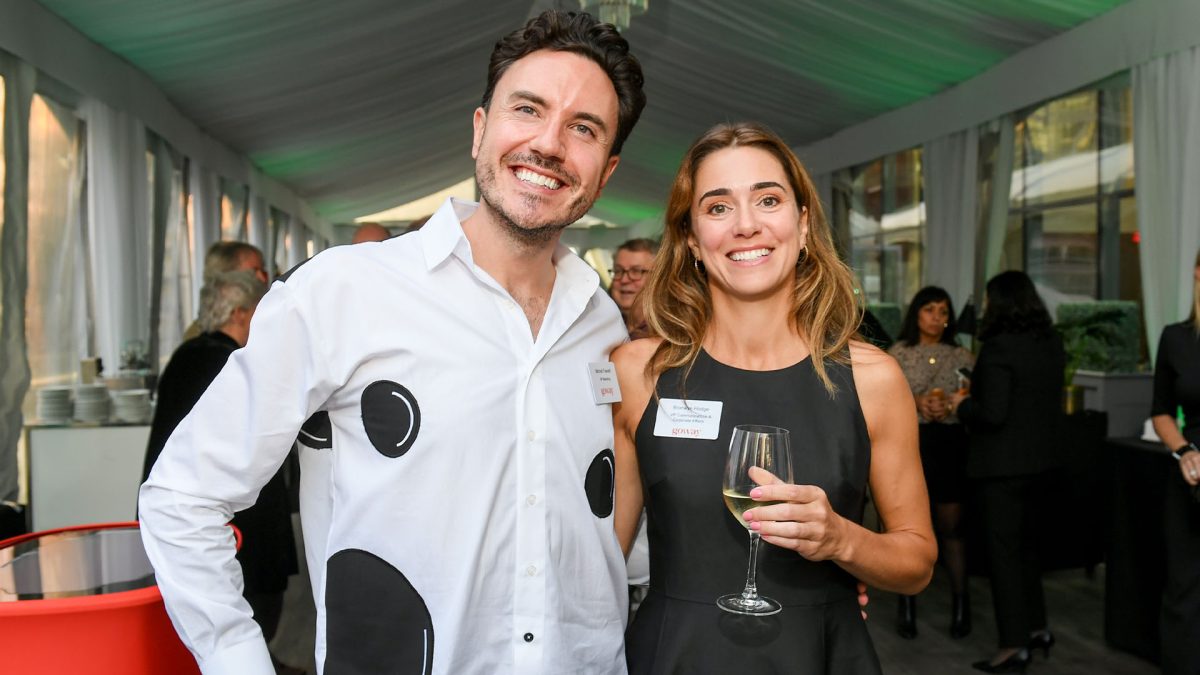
[214, 464]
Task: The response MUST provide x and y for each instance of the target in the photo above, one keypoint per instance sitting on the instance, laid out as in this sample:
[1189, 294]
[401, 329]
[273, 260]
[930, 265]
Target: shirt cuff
[244, 658]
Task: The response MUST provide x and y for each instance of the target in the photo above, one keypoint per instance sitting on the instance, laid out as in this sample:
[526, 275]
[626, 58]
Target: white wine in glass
[767, 448]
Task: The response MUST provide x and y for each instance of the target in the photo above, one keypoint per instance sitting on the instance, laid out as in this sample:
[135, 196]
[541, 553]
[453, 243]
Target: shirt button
[531, 500]
[530, 435]
[531, 570]
[529, 637]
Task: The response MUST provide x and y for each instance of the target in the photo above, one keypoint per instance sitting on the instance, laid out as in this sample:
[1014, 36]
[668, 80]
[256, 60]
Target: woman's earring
[699, 269]
[803, 256]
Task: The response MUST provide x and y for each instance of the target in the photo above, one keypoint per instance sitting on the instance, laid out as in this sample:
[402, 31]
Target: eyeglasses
[634, 273]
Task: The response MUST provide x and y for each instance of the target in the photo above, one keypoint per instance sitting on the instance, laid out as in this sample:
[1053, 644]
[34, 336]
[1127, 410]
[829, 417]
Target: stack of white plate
[131, 405]
[92, 403]
[54, 404]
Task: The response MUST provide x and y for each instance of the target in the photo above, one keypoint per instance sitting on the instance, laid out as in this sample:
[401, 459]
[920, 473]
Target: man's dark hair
[910, 331]
[640, 245]
[578, 33]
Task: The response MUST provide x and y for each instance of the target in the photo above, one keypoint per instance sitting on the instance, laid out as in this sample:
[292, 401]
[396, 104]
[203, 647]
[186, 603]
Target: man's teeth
[749, 255]
[537, 178]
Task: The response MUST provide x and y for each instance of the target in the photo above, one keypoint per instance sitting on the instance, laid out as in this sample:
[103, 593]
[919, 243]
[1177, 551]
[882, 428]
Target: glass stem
[751, 590]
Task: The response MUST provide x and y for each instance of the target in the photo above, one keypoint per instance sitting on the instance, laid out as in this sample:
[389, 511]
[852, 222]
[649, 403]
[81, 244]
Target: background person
[1177, 384]
[757, 312]
[631, 263]
[471, 528]
[370, 232]
[930, 358]
[229, 256]
[1012, 413]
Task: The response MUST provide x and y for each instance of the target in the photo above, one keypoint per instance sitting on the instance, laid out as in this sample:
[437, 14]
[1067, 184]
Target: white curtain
[19, 80]
[259, 214]
[234, 198]
[950, 165]
[1166, 146]
[172, 256]
[205, 197]
[994, 223]
[297, 243]
[118, 230]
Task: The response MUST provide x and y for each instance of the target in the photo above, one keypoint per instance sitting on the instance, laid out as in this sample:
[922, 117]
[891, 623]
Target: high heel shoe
[1017, 663]
[960, 616]
[906, 617]
[1042, 640]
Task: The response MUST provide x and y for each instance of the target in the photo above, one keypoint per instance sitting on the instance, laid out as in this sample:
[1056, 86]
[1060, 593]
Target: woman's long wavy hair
[676, 297]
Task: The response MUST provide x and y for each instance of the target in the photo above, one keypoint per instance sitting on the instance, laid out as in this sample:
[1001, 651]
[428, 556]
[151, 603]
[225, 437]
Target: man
[471, 482]
[229, 256]
[268, 553]
[370, 232]
[632, 262]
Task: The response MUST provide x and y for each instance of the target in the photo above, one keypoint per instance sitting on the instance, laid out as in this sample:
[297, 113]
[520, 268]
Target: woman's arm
[901, 558]
[630, 360]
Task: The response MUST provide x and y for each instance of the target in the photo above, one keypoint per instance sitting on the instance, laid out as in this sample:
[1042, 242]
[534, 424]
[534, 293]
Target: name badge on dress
[605, 388]
[678, 418]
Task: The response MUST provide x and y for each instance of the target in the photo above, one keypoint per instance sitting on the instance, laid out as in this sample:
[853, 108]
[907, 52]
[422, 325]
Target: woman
[1177, 384]
[753, 309]
[1012, 413]
[930, 358]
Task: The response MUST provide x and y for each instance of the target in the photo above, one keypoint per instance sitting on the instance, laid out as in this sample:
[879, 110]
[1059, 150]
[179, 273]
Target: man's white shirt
[467, 497]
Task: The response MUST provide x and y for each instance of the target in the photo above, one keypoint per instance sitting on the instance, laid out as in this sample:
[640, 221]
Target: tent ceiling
[360, 105]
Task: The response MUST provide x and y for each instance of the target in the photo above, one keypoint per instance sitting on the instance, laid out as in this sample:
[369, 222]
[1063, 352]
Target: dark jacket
[268, 553]
[1015, 408]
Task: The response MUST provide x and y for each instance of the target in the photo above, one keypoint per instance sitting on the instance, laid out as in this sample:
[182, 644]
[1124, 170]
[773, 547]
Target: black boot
[960, 616]
[906, 617]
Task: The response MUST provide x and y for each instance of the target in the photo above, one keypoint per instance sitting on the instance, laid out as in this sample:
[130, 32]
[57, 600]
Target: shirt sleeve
[214, 464]
[1165, 402]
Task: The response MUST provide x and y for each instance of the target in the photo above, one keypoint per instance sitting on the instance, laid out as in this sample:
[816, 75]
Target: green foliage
[889, 316]
[1101, 336]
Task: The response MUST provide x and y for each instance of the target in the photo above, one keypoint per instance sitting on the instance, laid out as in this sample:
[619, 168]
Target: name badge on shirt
[604, 383]
[688, 419]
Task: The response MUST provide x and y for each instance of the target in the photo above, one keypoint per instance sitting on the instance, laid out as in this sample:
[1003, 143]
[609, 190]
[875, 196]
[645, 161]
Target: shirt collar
[443, 236]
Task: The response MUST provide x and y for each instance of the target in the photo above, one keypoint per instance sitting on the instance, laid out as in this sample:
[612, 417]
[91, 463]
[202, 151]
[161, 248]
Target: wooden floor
[1074, 603]
[1075, 612]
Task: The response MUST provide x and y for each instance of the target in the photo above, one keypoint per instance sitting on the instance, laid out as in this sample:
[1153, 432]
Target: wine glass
[765, 447]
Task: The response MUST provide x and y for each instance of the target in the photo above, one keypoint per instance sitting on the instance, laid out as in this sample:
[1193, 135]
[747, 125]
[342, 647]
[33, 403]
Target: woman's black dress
[698, 552]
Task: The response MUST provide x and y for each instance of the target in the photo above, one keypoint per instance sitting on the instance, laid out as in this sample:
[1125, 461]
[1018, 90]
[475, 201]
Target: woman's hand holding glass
[803, 521]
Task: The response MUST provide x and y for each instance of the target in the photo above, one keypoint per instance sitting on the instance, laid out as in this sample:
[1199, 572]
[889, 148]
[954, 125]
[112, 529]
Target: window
[1072, 212]
[56, 321]
[886, 226]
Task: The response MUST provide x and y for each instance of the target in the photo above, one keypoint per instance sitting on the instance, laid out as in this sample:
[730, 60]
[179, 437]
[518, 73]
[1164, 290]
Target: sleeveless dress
[698, 552]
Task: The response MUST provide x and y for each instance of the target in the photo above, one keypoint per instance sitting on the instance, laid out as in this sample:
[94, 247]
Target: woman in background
[1177, 385]
[931, 358]
[1012, 413]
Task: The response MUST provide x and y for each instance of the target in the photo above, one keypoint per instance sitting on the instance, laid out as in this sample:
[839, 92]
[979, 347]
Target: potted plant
[1103, 344]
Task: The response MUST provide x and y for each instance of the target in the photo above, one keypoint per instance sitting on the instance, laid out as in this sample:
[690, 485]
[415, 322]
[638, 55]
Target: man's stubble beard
[525, 235]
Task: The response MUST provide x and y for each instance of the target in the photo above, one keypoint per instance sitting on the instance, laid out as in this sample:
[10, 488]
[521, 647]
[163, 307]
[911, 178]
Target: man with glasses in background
[632, 262]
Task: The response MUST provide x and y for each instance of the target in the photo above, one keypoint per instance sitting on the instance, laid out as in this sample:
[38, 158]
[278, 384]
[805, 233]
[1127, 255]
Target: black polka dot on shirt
[391, 417]
[375, 621]
[598, 484]
[317, 432]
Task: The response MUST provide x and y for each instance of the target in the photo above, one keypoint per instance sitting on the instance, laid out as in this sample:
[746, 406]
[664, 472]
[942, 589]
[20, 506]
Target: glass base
[759, 606]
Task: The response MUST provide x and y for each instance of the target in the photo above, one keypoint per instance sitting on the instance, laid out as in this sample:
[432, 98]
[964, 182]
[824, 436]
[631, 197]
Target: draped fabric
[19, 80]
[258, 227]
[950, 166]
[205, 197]
[994, 222]
[234, 207]
[172, 288]
[118, 230]
[1166, 145]
[297, 243]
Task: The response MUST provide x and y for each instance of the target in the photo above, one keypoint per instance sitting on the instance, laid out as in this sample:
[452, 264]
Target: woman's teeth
[742, 256]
